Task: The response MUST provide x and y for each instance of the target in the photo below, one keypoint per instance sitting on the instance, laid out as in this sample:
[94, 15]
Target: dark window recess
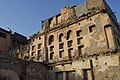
[22, 54]
[32, 53]
[39, 53]
[33, 48]
[39, 46]
[69, 34]
[38, 57]
[79, 40]
[61, 54]
[92, 28]
[69, 43]
[80, 49]
[33, 40]
[85, 74]
[50, 68]
[104, 10]
[70, 53]
[78, 23]
[78, 33]
[51, 39]
[3, 35]
[39, 38]
[51, 48]
[61, 46]
[60, 37]
[51, 55]
[59, 76]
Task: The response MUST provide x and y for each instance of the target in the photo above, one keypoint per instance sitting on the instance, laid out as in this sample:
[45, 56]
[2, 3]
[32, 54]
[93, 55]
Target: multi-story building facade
[37, 47]
[12, 43]
[5, 40]
[79, 43]
[82, 42]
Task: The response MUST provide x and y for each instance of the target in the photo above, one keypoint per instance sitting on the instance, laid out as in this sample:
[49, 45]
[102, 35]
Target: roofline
[5, 30]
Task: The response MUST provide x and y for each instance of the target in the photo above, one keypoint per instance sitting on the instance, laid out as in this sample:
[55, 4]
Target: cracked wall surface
[87, 50]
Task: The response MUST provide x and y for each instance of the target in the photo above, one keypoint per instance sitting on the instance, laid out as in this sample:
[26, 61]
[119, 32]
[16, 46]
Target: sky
[25, 16]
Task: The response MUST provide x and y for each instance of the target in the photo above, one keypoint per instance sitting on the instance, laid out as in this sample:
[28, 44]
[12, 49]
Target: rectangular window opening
[51, 55]
[78, 33]
[39, 46]
[33, 48]
[61, 54]
[32, 53]
[38, 54]
[80, 49]
[69, 43]
[61, 46]
[51, 48]
[79, 40]
[92, 28]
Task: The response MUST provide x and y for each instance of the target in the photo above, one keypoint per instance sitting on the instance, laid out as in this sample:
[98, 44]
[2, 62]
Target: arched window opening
[51, 39]
[69, 34]
[61, 37]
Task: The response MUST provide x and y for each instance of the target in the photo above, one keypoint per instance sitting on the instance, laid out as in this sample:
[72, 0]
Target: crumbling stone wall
[112, 73]
[14, 69]
[102, 67]
[8, 75]
[35, 71]
[10, 69]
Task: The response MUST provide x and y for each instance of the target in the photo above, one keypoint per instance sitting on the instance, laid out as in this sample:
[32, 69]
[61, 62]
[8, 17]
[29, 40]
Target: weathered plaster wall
[6, 40]
[104, 68]
[21, 70]
[96, 41]
[92, 52]
[37, 54]
[36, 71]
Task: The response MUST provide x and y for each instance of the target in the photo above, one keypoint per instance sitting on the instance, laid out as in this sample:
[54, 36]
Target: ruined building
[5, 37]
[11, 43]
[82, 42]
[12, 47]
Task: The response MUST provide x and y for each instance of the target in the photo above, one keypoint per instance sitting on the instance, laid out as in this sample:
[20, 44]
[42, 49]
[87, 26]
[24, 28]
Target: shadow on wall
[8, 75]
[36, 71]
[69, 76]
[3, 78]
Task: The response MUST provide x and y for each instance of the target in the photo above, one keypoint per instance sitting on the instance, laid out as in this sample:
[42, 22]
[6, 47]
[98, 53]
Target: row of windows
[39, 47]
[38, 54]
[69, 34]
[51, 38]
[69, 44]
[61, 43]
[39, 38]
